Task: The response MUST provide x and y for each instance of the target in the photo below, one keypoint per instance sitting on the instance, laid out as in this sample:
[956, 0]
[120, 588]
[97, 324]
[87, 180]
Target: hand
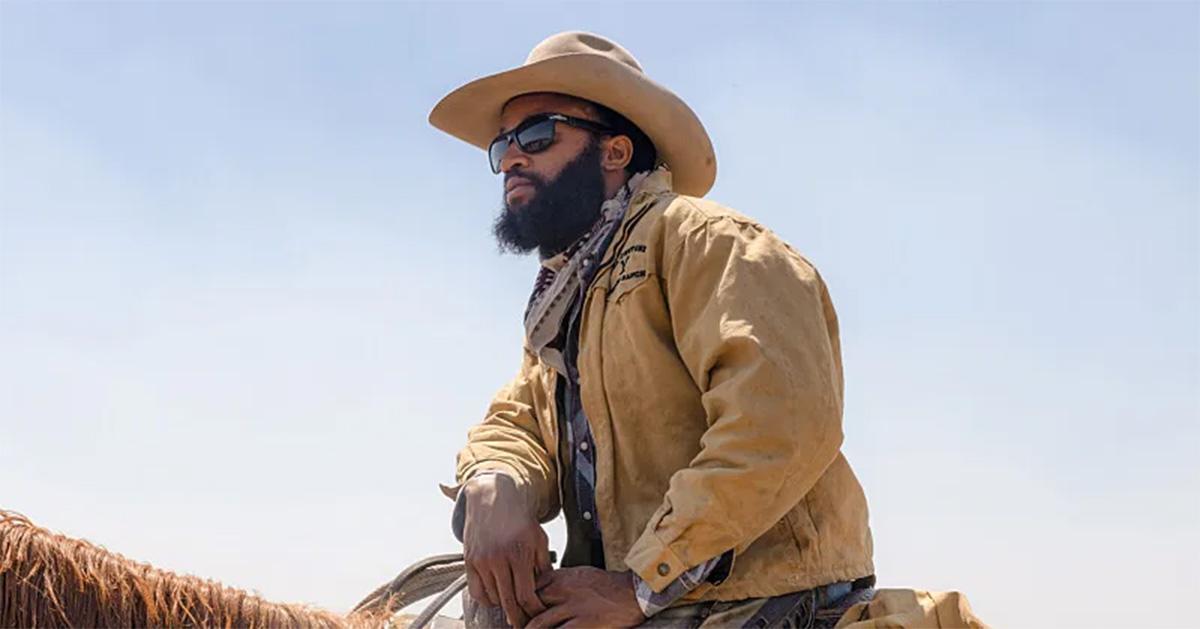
[587, 597]
[504, 547]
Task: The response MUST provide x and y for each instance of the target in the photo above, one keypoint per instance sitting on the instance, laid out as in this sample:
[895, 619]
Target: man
[680, 393]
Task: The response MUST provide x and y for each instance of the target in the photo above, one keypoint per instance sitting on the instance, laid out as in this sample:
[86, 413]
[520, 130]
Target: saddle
[862, 608]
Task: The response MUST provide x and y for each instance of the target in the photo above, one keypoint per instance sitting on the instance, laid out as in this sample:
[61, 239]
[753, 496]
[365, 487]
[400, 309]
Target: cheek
[549, 163]
[544, 167]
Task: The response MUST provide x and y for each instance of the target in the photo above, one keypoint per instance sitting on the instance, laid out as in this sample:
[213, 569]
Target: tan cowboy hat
[597, 69]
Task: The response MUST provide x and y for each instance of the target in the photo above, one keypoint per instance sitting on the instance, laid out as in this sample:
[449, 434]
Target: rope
[440, 573]
[438, 603]
[428, 576]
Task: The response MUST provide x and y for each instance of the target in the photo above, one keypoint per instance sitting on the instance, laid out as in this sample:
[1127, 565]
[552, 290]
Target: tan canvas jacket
[710, 372]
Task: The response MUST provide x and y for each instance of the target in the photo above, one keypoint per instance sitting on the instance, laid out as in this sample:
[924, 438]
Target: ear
[616, 153]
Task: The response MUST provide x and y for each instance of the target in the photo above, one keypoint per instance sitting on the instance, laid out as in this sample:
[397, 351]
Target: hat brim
[472, 112]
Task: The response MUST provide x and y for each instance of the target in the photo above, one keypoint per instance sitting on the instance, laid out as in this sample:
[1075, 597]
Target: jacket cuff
[712, 571]
[654, 562]
[452, 491]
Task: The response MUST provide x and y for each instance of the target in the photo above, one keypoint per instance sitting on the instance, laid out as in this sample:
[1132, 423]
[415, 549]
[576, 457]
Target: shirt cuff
[653, 602]
[458, 519]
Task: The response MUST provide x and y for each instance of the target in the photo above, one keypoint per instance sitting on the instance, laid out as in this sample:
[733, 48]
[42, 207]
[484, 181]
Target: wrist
[496, 489]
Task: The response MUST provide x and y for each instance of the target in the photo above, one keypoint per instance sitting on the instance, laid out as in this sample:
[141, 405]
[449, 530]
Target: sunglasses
[535, 134]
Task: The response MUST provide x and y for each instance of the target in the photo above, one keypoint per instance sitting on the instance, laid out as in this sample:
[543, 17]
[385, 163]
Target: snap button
[587, 515]
[583, 446]
[664, 569]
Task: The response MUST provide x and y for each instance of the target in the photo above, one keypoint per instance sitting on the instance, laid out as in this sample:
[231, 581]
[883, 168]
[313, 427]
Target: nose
[514, 157]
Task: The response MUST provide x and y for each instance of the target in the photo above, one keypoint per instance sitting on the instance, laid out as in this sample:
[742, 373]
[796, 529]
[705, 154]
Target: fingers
[475, 585]
[503, 560]
[523, 585]
[551, 617]
[508, 599]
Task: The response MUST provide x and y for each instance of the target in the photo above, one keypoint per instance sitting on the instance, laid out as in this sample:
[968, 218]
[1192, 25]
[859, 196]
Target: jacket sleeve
[755, 327]
[509, 440]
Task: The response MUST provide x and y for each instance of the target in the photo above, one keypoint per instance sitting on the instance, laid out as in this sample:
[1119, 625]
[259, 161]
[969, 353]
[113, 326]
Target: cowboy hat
[597, 69]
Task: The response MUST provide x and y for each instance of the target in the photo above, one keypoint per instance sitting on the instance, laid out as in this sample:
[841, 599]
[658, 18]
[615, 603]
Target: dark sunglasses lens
[496, 152]
[536, 137]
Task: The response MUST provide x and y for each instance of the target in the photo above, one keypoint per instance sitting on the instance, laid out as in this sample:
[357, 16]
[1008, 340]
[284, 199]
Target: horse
[50, 580]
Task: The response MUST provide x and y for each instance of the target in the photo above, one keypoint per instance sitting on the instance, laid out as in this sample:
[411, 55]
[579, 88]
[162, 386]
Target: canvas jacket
[710, 373]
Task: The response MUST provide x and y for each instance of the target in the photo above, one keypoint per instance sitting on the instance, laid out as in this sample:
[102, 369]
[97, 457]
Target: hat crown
[581, 43]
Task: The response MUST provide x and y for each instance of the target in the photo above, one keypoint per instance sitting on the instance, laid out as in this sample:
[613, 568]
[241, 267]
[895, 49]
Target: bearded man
[679, 397]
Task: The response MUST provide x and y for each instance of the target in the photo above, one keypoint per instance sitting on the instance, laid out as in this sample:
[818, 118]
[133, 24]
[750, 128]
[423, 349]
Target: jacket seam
[706, 219]
[816, 530]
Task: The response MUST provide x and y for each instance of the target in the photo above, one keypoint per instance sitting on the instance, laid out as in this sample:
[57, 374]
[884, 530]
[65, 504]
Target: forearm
[458, 519]
[510, 440]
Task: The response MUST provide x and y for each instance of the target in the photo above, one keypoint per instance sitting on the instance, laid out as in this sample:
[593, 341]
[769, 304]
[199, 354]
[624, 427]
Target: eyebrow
[539, 113]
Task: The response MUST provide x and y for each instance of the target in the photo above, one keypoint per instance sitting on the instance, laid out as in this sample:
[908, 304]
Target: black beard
[559, 211]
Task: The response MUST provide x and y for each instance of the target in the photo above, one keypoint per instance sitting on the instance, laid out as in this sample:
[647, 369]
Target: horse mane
[50, 580]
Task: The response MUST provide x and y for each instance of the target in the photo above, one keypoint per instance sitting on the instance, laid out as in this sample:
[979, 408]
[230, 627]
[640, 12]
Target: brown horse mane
[50, 580]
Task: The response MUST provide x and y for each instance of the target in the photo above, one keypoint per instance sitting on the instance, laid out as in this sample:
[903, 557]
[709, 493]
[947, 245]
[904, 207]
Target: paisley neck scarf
[563, 276]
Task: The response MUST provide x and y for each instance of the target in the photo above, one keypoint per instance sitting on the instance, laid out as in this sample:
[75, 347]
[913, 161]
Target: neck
[612, 187]
[613, 182]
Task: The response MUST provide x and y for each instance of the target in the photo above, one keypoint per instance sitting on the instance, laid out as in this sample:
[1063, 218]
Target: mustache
[533, 178]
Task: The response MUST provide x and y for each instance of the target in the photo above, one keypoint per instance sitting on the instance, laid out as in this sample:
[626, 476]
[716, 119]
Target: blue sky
[249, 300]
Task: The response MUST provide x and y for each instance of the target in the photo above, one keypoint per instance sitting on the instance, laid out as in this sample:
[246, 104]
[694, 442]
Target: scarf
[563, 276]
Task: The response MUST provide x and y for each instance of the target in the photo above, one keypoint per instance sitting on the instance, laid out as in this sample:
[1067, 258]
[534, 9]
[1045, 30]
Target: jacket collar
[657, 182]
